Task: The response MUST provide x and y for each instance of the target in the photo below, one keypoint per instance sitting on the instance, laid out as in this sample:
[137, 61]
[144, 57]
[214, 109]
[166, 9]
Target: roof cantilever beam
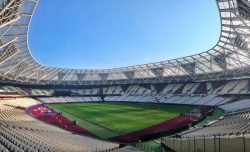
[4, 45]
[80, 77]
[61, 75]
[130, 75]
[230, 50]
[235, 26]
[215, 58]
[26, 14]
[10, 22]
[197, 62]
[171, 70]
[180, 67]
[68, 74]
[9, 63]
[165, 66]
[10, 35]
[9, 52]
[140, 71]
[237, 53]
[17, 25]
[40, 74]
[21, 68]
[10, 14]
[246, 3]
[50, 72]
[29, 73]
[13, 66]
[7, 6]
[103, 76]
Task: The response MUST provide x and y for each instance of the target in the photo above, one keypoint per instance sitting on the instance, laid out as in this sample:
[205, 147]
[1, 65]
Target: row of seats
[128, 149]
[21, 132]
[230, 87]
[40, 92]
[230, 124]
[68, 99]
[234, 122]
[210, 100]
[240, 105]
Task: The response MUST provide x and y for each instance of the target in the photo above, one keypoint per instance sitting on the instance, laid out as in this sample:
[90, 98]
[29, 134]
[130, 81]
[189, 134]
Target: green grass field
[108, 119]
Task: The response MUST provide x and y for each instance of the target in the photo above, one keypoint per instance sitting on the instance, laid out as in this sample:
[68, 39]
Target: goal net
[195, 115]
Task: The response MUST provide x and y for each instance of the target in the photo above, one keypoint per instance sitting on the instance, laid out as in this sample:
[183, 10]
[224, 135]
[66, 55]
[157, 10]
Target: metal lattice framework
[228, 59]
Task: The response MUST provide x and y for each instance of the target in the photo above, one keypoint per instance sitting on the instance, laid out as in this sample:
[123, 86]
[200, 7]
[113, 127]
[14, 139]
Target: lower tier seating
[231, 124]
[128, 149]
[20, 132]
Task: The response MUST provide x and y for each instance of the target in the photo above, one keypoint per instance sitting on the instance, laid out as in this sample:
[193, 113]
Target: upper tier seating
[40, 92]
[216, 88]
[210, 100]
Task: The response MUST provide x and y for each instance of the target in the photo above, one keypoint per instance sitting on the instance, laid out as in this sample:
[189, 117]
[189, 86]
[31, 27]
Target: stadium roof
[228, 59]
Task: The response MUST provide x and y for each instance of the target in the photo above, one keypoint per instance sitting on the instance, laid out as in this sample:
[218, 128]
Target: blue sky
[117, 33]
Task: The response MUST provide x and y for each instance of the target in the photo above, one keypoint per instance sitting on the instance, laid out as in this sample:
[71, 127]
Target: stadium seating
[128, 149]
[20, 132]
[40, 92]
[234, 121]
[232, 124]
[240, 105]
[210, 100]
[218, 77]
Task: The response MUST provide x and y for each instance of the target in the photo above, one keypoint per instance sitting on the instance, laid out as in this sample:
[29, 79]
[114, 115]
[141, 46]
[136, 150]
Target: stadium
[197, 103]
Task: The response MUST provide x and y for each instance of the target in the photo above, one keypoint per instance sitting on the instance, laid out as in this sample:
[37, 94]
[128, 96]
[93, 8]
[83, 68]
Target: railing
[148, 147]
[209, 144]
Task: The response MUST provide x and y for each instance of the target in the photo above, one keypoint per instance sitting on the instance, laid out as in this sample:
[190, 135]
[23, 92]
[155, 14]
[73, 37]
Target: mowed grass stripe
[98, 130]
[109, 119]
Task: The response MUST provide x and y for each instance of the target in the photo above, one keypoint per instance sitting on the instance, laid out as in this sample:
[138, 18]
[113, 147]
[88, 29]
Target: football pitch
[110, 119]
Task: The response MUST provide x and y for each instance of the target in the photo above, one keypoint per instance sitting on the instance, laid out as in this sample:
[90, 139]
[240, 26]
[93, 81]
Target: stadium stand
[128, 149]
[218, 78]
[20, 132]
[232, 126]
